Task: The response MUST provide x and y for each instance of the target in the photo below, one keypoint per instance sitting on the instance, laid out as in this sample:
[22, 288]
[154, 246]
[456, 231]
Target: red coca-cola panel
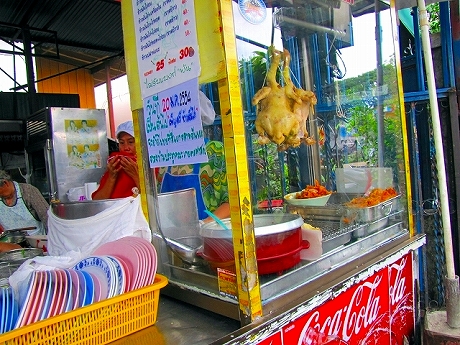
[402, 317]
[360, 314]
[274, 339]
[377, 310]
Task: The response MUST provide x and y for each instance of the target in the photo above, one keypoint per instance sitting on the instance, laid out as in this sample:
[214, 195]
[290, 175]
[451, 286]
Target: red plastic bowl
[280, 263]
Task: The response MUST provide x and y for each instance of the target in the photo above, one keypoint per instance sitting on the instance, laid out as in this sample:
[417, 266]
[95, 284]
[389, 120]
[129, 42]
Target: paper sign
[173, 127]
[166, 40]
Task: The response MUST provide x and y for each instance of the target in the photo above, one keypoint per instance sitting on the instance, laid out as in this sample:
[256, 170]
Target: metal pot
[278, 239]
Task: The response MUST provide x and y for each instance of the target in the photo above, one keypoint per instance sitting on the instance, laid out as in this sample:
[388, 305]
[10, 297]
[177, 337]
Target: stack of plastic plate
[137, 258]
[114, 268]
[8, 309]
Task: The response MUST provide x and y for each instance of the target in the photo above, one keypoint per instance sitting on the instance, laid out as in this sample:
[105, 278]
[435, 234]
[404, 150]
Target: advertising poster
[377, 310]
[166, 40]
[173, 127]
[359, 315]
[82, 144]
[402, 303]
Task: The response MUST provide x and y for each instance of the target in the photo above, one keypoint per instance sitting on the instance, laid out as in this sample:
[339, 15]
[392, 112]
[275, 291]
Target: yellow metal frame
[410, 213]
[234, 143]
[237, 174]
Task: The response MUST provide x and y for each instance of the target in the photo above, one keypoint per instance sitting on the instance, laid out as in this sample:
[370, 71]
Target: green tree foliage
[433, 18]
[361, 114]
[252, 76]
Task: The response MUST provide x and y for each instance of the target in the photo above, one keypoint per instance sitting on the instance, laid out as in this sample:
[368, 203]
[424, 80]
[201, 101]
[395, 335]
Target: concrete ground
[437, 331]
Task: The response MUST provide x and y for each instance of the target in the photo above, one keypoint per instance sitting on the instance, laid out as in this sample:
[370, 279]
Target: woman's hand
[130, 167]
[113, 167]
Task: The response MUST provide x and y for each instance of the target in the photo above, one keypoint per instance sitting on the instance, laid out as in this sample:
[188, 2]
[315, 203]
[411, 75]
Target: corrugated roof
[84, 33]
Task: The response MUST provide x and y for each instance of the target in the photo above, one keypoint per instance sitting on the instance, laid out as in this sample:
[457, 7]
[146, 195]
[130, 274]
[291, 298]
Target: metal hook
[409, 50]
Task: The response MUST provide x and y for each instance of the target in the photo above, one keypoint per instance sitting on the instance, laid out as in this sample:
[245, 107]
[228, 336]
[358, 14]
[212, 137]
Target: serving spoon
[218, 221]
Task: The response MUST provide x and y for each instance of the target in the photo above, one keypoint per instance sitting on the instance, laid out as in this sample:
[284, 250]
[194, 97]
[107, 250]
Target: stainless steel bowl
[13, 238]
[20, 255]
[77, 210]
[186, 248]
[6, 270]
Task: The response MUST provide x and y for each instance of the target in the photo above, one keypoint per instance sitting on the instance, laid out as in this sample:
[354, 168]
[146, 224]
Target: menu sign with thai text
[167, 48]
[173, 127]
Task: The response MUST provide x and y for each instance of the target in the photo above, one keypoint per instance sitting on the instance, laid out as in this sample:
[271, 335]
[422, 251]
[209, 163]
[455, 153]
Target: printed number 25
[160, 64]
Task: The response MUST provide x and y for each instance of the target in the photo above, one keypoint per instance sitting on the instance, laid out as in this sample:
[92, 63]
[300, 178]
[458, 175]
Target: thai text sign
[167, 48]
[173, 126]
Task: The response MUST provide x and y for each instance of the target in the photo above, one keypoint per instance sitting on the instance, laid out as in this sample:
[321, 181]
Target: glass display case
[309, 101]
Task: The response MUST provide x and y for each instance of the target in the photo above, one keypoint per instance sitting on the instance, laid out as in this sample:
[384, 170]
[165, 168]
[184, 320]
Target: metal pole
[108, 83]
[451, 299]
[437, 134]
[380, 114]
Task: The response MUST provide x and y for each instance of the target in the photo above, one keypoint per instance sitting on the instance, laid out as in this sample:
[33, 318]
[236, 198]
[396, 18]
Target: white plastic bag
[76, 194]
[78, 238]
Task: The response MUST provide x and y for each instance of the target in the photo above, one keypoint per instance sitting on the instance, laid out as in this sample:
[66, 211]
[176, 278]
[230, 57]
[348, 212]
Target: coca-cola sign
[376, 310]
[359, 313]
[402, 317]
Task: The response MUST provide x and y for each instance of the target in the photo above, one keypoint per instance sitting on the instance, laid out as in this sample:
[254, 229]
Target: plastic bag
[76, 194]
[78, 238]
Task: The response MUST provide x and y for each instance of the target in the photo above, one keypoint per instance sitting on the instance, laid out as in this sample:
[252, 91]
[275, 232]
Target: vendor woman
[22, 206]
[122, 173]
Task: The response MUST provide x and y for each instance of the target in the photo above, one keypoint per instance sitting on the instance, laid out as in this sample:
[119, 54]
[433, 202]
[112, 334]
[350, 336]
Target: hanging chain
[329, 159]
[440, 261]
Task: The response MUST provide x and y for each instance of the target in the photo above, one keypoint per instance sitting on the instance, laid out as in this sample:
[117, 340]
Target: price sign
[173, 127]
[167, 46]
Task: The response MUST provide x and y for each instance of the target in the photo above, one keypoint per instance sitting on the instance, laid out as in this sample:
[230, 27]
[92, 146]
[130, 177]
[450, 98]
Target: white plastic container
[315, 237]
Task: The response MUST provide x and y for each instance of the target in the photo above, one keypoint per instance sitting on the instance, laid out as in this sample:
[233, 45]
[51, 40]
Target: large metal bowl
[187, 249]
[6, 270]
[77, 210]
[13, 237]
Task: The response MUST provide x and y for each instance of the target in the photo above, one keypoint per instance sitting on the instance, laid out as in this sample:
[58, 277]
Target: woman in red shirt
[122, 172]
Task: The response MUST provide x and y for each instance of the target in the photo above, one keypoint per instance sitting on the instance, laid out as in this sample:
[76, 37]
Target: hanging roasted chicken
[282, 111]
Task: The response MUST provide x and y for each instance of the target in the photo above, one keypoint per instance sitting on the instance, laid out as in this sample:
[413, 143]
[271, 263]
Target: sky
[359, 58]
[6, 64]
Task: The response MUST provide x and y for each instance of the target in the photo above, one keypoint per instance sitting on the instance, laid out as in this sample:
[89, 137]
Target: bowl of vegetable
[38, 241]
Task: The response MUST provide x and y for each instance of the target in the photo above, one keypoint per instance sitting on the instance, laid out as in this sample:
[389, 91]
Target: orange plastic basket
[98, 323]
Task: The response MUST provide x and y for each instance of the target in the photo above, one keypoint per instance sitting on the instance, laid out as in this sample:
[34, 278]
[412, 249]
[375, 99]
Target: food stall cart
[362, 286]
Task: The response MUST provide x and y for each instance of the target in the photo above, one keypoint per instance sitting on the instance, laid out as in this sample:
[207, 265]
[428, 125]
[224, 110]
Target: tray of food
[333, 210]
[380, 203]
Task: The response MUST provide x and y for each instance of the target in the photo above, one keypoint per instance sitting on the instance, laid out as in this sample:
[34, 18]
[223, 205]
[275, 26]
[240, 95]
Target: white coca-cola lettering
[366, 314]
[351, 318]
[398, 289]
